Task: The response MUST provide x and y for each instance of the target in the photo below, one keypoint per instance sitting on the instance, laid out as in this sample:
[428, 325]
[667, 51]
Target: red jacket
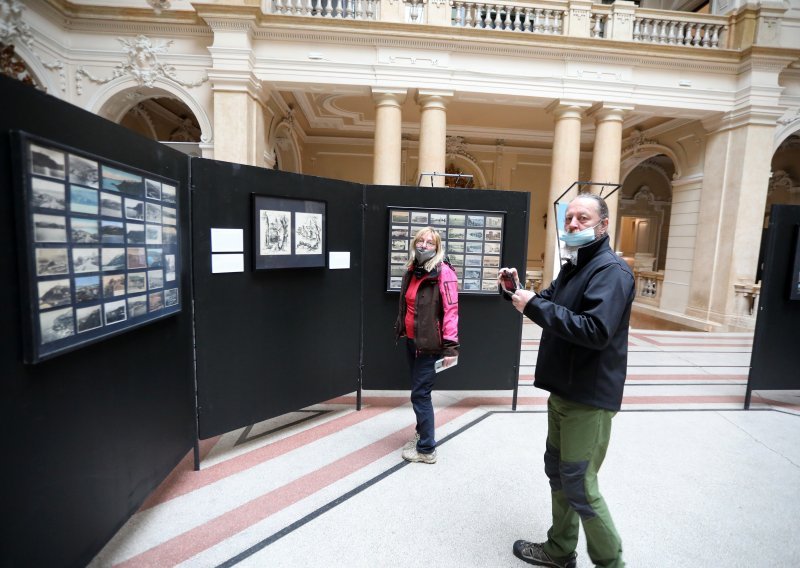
[436, 311]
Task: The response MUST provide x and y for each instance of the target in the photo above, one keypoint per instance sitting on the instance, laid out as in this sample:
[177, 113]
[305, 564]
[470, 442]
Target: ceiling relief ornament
[142, 65]
[455, 145]
[159, 5]
[12, 66]
[14, 30]
[638, 140]
[789, 116]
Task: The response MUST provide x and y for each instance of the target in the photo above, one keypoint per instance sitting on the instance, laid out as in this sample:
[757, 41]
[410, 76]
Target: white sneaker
[412, 455]
[412, 443]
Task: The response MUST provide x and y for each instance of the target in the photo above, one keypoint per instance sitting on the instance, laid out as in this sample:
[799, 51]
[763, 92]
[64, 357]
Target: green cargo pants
[577, 440]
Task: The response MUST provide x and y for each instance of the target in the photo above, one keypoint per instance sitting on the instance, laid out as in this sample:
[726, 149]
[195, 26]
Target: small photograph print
[442, 232]
[475, 221]
[47, 194]
[419, 218]
[489, 273]
[398, 270]
[84, 231]
[137, 282]
[274, 232]
[88, 318]
[400, 232]
[472, 284]
[124, 182]
[152, 234]
[152, 213]
[134, 209]
[54, 293]
[83, 200]
[134, 234]
[455, 246]
[110, 205]
[155, 258]
[152, 189]
[308, 233]
[112, 232]
[169, 265]
[49, 228]
[398, 244]
[472, 260]
[115, 312]
[83, 172]
[491, 248]
[113, 259]
[455, 234]
[113, 285]
[493, 234]
[399, 216]
[155, 279]
[475, 248]
[489, 285]
[56, 324]
[155, 301]
[169, 216]
[51, 261]
[87, 289]
[494, 222]
[415, 230]
[399, 258]
[456, 259]
[168, 193]
[395, 282]
[85, 260]
[457, 220]
[170, 235]
[170, 297]
[491, 261]
[472, 273]
[137, 258]
[47, 162]
[474, 234]
[438, 219]
[137, 306]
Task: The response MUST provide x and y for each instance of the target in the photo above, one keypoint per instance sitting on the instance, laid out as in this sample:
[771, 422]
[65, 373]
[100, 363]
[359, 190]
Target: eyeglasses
[426, 244]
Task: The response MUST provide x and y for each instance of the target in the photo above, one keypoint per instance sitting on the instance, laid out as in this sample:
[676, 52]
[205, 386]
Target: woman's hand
[448, 361]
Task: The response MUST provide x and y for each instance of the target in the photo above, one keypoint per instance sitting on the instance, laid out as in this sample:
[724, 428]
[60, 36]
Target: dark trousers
[422, 377]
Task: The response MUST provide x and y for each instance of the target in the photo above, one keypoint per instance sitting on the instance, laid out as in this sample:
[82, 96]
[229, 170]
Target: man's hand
[521, 299]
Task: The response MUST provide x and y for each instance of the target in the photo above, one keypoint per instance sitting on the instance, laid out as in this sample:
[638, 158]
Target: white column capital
[562, 108]
[605, 111]
[388, 96]
[433, 98]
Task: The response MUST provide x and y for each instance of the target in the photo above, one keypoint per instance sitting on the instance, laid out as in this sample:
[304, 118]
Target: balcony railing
[621, 21]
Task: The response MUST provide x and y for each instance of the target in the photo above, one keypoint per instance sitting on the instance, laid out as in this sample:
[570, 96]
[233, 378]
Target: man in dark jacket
[584, 315]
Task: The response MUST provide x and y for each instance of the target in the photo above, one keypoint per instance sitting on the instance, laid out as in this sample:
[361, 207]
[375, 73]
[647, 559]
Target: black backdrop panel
[90, 433]
[776, 359]
[490, 329]
[272, 341]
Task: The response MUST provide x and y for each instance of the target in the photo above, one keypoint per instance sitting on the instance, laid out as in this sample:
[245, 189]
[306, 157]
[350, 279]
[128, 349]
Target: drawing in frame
[473, 242]
[84, 247]
[288, 232]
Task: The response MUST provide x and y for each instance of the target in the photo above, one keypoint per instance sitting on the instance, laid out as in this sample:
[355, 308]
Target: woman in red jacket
[428, 319]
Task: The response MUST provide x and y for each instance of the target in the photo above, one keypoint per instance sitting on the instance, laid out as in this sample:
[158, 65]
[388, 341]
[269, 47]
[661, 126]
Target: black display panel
[100, 246]
[794, 284]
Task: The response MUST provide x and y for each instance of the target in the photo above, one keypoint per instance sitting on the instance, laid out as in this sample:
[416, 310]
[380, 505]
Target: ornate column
[386, 164]
[564, 170]
[432, 135]
[607, 155]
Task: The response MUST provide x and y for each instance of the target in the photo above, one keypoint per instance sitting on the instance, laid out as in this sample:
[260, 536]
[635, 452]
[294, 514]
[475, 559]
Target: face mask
[579, 238]
[424, 255]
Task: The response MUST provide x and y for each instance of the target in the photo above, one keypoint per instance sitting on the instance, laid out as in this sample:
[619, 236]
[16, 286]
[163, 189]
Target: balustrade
[648, 286]
[342, 9]
[510, 17]
[678, 29]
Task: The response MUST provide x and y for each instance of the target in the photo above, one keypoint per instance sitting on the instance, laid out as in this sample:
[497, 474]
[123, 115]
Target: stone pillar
[736, 177]
[432, 136]
[607, 156]
[386, 164]
[564, 170]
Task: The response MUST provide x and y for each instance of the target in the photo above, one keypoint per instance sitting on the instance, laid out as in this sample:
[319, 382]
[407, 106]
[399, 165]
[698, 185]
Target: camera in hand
[509, 285]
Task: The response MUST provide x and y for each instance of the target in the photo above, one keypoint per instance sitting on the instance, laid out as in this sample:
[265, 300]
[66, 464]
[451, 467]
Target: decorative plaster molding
[789, 116]
[638, 140]
[14, 29]
[159, 5]
[455, 145]
[142, 64]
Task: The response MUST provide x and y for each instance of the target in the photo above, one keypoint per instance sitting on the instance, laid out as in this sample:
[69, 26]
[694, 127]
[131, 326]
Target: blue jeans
[422, 376]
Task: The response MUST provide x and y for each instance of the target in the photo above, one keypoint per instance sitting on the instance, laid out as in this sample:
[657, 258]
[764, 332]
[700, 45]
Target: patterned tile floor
[260, 484]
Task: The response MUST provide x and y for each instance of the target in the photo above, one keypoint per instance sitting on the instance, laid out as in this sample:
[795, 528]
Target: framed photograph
[473, 242]
[93, 258]
[288, 233]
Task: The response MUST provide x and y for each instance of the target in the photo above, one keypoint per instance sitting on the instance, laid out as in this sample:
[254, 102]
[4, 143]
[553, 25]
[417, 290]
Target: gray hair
[602, 207]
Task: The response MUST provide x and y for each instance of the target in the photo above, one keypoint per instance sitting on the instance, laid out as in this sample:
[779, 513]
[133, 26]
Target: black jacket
[584, 314]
